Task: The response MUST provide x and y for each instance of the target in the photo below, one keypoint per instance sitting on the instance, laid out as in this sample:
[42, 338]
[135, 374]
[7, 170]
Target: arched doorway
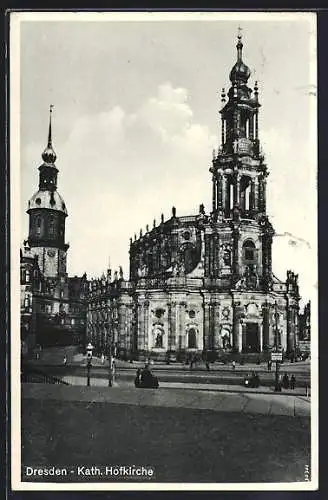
[192, 338]
[252, 337]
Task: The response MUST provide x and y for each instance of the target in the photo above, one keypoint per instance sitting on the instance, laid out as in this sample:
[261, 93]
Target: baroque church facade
[52, 304]
[203, 282]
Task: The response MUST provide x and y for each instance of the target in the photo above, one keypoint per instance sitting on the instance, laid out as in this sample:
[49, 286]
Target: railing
[34, 376]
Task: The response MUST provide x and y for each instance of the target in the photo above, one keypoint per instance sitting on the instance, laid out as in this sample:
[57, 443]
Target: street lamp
[111, 370]
[277, 386]
[90, 348]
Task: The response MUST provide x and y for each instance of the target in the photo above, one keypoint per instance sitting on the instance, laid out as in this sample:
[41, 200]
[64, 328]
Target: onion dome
[47, 199]
[49, 156]
[240, 72]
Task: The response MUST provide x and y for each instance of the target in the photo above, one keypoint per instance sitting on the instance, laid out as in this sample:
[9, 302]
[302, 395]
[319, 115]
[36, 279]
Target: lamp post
[277, 387]
[90, 348]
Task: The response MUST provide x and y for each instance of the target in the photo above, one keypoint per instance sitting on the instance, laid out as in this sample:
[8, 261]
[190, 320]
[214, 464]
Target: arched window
[192, 340]
[52, 223]
[247, 128]
[38, 224]
[247, 197]
[249, 251]
[231, 196]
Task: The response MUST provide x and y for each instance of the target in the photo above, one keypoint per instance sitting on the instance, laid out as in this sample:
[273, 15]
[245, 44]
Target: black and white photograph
[163, 204]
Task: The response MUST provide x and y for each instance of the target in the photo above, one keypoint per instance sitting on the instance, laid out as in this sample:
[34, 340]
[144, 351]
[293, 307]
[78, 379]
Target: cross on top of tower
[49, 155]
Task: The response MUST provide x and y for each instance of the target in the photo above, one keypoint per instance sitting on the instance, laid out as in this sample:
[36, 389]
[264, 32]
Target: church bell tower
[47, 213]
[239, 187]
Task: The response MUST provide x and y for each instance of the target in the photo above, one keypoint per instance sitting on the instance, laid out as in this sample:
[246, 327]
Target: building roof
[47, 199]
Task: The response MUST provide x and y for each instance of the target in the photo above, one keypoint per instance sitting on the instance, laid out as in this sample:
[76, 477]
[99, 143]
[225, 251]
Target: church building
[201, 282]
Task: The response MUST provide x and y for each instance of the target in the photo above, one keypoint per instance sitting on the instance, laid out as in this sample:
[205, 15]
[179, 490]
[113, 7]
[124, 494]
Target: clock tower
[47, 213]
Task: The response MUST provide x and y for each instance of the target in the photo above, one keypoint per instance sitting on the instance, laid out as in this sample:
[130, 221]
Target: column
[235, 328]
[261, 201]
[219, 192]
[172, 325]
[251, 127]
[216, 326]
[252, 196]
[265, 326]
[224, 194]
[212, 326]
[214, 193]
[237, 199]
[141, 327]
[216, 256]
[235, 262]
[261, 336]
[289, 332]
[243, 344]
[222, 131]
[146, 325]
[207, 254]
[235, 190]
[256, 193]
[206, 323]
[181, 340]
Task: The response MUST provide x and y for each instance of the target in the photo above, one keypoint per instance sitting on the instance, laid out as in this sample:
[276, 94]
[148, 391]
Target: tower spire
[50, 132]
[49, 155]
[239, 44]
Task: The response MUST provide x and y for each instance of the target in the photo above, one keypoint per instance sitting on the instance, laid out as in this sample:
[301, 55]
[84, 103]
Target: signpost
[276, 357]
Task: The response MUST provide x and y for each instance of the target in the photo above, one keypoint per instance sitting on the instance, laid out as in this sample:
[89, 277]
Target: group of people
[288, 383]
[145, 379]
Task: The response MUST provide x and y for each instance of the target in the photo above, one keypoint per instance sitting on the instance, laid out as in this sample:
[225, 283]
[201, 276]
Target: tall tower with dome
[47, 213]
[52, 303]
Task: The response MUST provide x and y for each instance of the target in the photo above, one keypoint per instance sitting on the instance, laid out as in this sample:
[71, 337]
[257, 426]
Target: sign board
[304, 345]
[276, 356]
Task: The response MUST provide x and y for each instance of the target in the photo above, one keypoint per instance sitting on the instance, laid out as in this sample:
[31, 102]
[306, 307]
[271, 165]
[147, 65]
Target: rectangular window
[27, 302]
[27, 276]
[72, 321]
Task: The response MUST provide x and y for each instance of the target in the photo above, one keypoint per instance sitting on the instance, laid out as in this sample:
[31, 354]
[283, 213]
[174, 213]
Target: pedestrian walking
[269, 365]
[102, 359]
[207, 366]
[233, 364]
[292, 382]
[65, 361]
[137, 379]
[285, 381]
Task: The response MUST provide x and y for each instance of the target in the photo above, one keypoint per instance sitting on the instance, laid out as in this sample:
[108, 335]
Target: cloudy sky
[135, 120]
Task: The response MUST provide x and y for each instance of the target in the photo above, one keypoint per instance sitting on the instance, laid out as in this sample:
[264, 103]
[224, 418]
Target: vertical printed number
[307, 472]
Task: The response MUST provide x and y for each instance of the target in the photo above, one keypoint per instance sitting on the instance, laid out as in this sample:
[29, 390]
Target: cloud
[117, 170]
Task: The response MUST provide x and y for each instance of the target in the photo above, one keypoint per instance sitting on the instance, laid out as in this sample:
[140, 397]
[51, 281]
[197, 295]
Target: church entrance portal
[252, 343]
